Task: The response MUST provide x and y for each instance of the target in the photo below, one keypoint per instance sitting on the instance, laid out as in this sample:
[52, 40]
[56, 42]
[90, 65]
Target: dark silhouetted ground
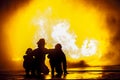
[106, 72]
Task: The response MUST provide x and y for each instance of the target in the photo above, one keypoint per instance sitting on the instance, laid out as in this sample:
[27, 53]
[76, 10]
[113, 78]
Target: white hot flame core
[59, 33]
[89, 47]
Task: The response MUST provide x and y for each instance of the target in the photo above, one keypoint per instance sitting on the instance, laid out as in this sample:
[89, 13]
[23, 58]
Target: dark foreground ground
[108, 72]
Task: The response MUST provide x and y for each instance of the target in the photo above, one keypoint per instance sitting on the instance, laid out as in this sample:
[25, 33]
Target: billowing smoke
[7, 8]
[113, 24]
[111, 9]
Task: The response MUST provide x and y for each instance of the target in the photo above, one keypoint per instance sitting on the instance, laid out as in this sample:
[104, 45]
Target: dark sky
[111, 7]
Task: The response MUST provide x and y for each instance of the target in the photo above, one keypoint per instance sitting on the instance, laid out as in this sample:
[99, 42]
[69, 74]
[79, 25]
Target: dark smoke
[112, 10]
[7, 8]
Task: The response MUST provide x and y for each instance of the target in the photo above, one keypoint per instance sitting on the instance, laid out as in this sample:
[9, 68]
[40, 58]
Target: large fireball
[76, 26]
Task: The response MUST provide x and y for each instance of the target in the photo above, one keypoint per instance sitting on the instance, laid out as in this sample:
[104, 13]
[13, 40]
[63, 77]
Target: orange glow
[77, 27]
[16, 59]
